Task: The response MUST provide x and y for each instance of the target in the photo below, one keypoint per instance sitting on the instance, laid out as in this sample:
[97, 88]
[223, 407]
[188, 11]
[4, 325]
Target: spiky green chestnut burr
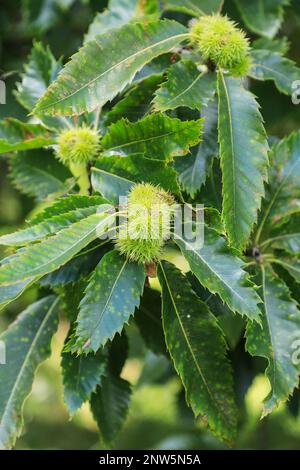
[148, 219]
[78, 145]
[220, 41]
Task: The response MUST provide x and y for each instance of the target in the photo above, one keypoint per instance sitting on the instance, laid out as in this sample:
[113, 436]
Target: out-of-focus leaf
[282, 192]
[272, 66]
[40, 175]
[16, 135]
[39, 72]
[280, 45]
[277, 340]
[27, 345]
[263, 17]
[120, 12]
[193, 7]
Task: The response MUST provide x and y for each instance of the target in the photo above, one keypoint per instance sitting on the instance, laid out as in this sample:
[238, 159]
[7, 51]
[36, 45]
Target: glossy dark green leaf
[27, 343]
[220, 271]
[157, 136]
[190, 329]
[111, 297]
[244, 158]
[54, 224]
[186, 86]
[81, 88]
[44, 257]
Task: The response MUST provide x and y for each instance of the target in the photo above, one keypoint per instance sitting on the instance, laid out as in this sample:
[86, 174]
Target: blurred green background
[155, 419]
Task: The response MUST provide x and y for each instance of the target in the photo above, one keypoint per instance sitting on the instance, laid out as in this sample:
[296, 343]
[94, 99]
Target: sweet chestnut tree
[156, 108]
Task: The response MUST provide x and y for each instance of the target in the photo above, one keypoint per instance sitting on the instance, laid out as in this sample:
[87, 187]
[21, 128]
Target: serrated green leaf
[137, 101]
[86, 205]
[81, 375]
[194, 169]
[111, 297]
[157, 137]
[16, 135]
[40, 175]
[186, 87]
[44, 257]
[193, 7]
[244, 158]
[39, 72]
[272, 66]
[109, 406]
[80, 88]
[282, 192]
[220, 271]
[27, 344]
[277, 339]
[110, 185]
[263, 17]
[114, 176]
[78, 267]
[190, 329]
[120, 12]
